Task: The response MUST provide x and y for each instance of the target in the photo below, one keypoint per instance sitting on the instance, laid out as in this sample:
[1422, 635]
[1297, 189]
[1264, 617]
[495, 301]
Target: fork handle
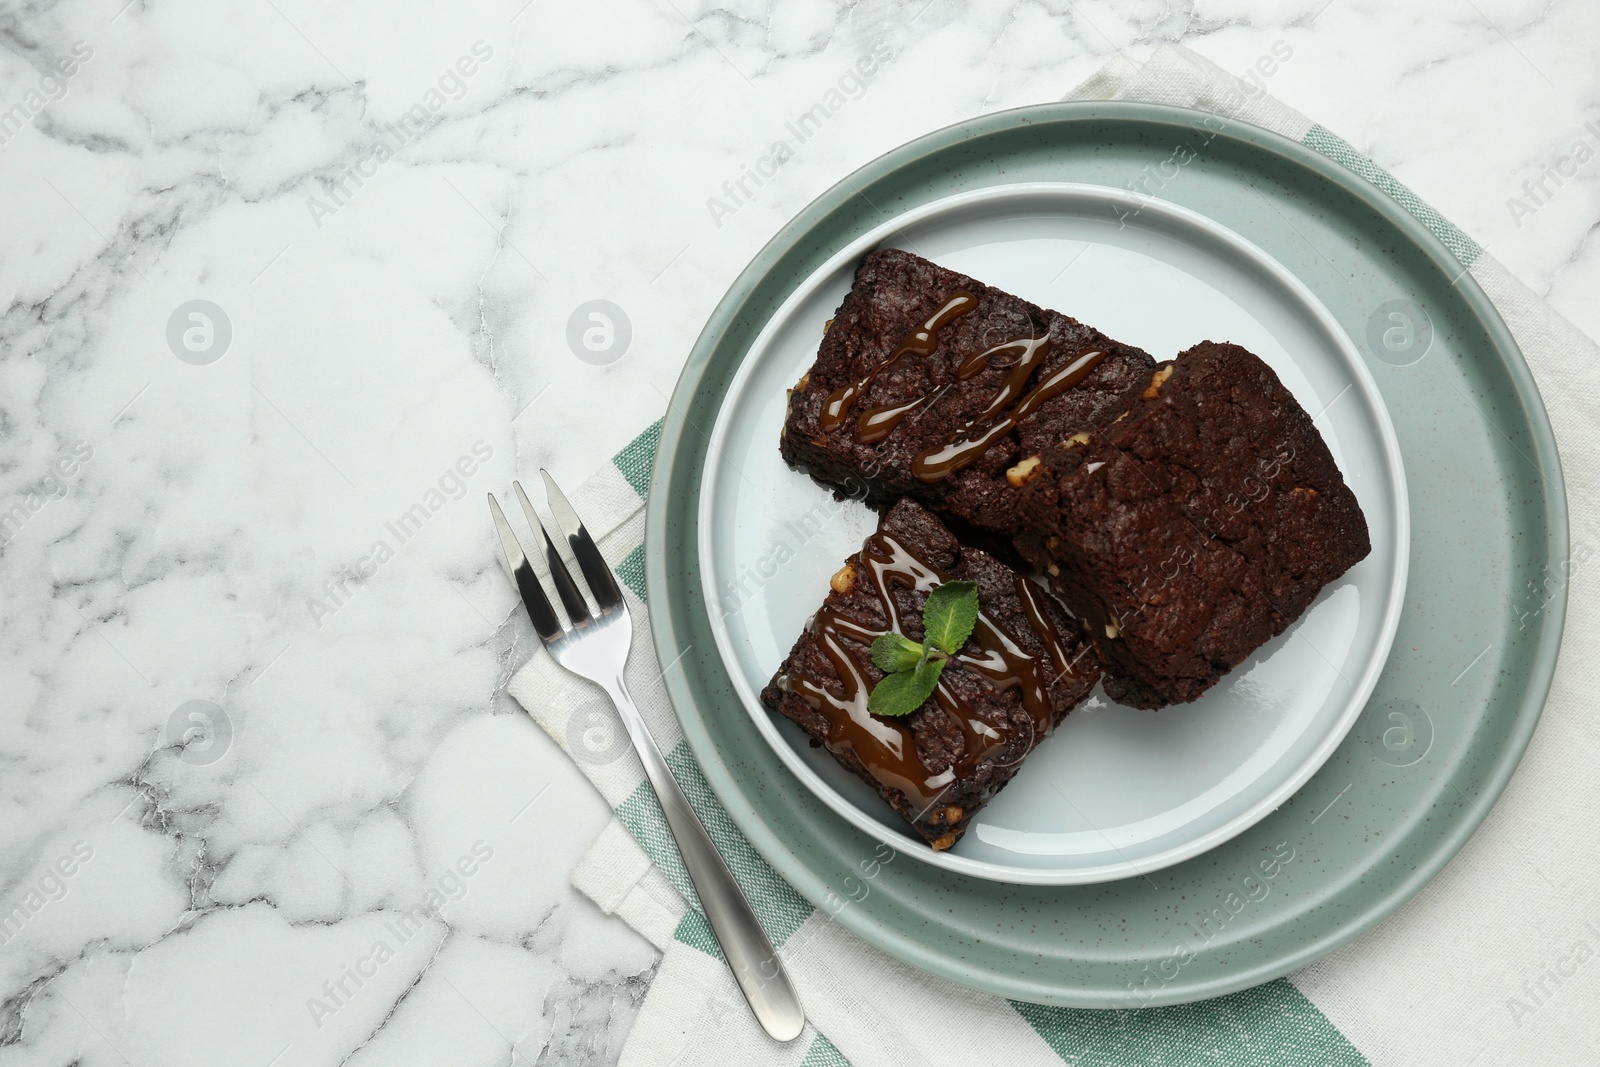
[745, 945]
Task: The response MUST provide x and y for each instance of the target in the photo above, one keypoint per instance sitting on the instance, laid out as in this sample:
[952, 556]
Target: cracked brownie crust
[1194, 529]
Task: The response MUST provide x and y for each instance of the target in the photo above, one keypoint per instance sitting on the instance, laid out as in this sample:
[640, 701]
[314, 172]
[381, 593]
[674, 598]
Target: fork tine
[533, 598]
[602, 582]
[571, 595]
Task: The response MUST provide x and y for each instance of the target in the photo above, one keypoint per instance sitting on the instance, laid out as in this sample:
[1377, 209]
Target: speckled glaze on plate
[1456, 703]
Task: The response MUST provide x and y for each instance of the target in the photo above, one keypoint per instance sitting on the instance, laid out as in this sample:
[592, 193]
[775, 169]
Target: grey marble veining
[262, 800]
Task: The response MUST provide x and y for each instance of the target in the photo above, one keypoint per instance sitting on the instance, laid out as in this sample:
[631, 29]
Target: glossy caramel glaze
[885, 746]
[964, 447]
[919, 342]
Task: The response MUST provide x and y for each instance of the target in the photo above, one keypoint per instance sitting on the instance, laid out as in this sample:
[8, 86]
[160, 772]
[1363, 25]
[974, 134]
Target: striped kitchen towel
[1489, 965]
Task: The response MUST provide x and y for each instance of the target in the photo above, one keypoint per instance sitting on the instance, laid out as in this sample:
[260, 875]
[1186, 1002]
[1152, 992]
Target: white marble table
[275, 509]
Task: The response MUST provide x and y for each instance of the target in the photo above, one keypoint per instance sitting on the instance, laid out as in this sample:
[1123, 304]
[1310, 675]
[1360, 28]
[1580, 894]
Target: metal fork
[596, 647]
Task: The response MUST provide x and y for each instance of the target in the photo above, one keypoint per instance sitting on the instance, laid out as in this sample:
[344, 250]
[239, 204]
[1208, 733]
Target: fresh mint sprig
[911, 671]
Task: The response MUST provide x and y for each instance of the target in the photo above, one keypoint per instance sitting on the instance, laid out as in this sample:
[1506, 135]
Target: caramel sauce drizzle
[989, 425]
[876, 424]
[963, 449]
[1042, 625]
[886, 746]
[919, 342]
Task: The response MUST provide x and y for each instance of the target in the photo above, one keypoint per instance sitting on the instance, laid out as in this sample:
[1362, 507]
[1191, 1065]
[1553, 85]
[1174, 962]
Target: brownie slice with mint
[1024, 667]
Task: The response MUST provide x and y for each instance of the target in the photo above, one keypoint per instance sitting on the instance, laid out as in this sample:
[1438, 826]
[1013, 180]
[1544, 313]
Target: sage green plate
[1452, 711]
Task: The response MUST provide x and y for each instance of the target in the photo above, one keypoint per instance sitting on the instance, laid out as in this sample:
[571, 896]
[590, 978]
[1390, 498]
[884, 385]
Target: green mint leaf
[894, 652]
[903, 692]
[949, 615]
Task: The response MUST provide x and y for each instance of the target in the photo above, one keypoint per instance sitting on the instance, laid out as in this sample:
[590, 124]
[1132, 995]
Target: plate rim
[1398, 499]
[1158, 117]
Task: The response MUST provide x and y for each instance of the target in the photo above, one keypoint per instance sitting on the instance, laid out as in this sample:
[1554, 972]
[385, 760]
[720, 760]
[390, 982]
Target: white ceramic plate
[1114, 791]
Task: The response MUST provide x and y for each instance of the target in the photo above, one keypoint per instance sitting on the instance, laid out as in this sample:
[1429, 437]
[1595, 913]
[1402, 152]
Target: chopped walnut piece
[943, 843]
[1080, 438]
[844, 579]
[952, 814]
[1020, 475]
[1111, 629]
[1157, 380]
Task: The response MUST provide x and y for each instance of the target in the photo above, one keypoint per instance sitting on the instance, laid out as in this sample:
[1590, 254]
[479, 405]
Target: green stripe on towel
[1340, 151]
[631, 571]
[1272, 1025]
[638, 458]
[823, 1054]
[780, 908]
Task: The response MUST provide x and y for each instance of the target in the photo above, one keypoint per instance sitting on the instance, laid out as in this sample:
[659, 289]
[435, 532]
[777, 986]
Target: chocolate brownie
[1193, 529]
[933, 385]
[1025, 666]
